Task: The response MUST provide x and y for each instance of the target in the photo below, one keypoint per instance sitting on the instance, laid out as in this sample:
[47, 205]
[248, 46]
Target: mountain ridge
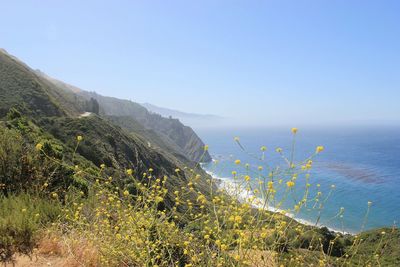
[185, 139]
[191, 119]
[48, 146]
[55, 111]
[175, 113]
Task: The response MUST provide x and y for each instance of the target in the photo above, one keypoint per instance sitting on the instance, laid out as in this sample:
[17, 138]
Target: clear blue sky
[266, 61]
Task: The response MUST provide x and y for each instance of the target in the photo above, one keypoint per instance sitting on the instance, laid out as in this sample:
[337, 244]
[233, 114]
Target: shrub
[21, 216]
[41, 169]
[128, 223]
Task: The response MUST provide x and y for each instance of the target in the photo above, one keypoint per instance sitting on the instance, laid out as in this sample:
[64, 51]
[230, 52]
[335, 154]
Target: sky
[262, 62]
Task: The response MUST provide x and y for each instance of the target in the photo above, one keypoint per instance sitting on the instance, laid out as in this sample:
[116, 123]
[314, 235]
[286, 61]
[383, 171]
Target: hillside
[54, 109]
[37, 94]
[116, 188]
[180, 138]
[148, 136]
[21, 88]
[169, 129]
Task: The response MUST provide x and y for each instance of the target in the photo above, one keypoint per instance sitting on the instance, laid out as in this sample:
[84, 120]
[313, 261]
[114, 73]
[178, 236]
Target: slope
[182, 139]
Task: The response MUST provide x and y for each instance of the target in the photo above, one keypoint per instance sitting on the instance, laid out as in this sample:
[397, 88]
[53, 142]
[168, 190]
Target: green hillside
[170, 130]
[49, 108]
[21, 88]
[123, 187]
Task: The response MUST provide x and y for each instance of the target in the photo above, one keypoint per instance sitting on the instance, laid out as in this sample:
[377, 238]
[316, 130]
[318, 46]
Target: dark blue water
[363, 163]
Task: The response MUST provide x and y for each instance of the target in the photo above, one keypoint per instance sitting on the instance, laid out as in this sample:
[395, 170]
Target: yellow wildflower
[201, 199]
[237, 162]
[290, 184]
[319, 149]
[264, 234]
[79, 138]
[294, 130]
[39, 147]
[270, 185]
[238, 219]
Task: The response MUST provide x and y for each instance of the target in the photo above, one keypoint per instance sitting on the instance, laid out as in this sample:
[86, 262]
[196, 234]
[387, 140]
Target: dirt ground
[38, 261]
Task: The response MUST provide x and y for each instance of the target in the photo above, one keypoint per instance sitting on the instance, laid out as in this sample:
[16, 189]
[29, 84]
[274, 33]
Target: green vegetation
[22, 218]
[123, 187]
[36, 95]
[22, 167]
[183, 139]
[138, 223]
[21, 88]
[118, 148]
[377, 242]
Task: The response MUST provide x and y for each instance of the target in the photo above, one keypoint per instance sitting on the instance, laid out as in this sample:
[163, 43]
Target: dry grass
[38, 261]
[257, 258]
[54, 251]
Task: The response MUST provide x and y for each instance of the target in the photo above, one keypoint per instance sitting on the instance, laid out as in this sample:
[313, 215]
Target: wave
[230, 186]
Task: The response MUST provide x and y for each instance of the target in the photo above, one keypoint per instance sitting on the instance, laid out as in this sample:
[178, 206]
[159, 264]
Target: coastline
[227, 183]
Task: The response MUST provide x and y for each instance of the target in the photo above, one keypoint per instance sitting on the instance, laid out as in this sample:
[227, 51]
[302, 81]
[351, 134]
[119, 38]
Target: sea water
[363, 163]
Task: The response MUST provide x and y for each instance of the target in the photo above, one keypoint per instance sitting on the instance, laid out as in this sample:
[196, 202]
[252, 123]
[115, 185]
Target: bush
[24, 167]
[11, 153]
[128, 223]
[21, 216]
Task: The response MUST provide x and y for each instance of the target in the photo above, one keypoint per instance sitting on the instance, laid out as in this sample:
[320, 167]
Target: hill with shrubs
[89, 180]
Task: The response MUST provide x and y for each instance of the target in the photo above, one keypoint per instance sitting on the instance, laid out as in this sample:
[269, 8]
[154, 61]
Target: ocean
[363, 163]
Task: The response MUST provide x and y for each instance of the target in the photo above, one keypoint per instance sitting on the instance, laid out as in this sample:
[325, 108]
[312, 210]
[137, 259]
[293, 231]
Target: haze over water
[362, 162]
